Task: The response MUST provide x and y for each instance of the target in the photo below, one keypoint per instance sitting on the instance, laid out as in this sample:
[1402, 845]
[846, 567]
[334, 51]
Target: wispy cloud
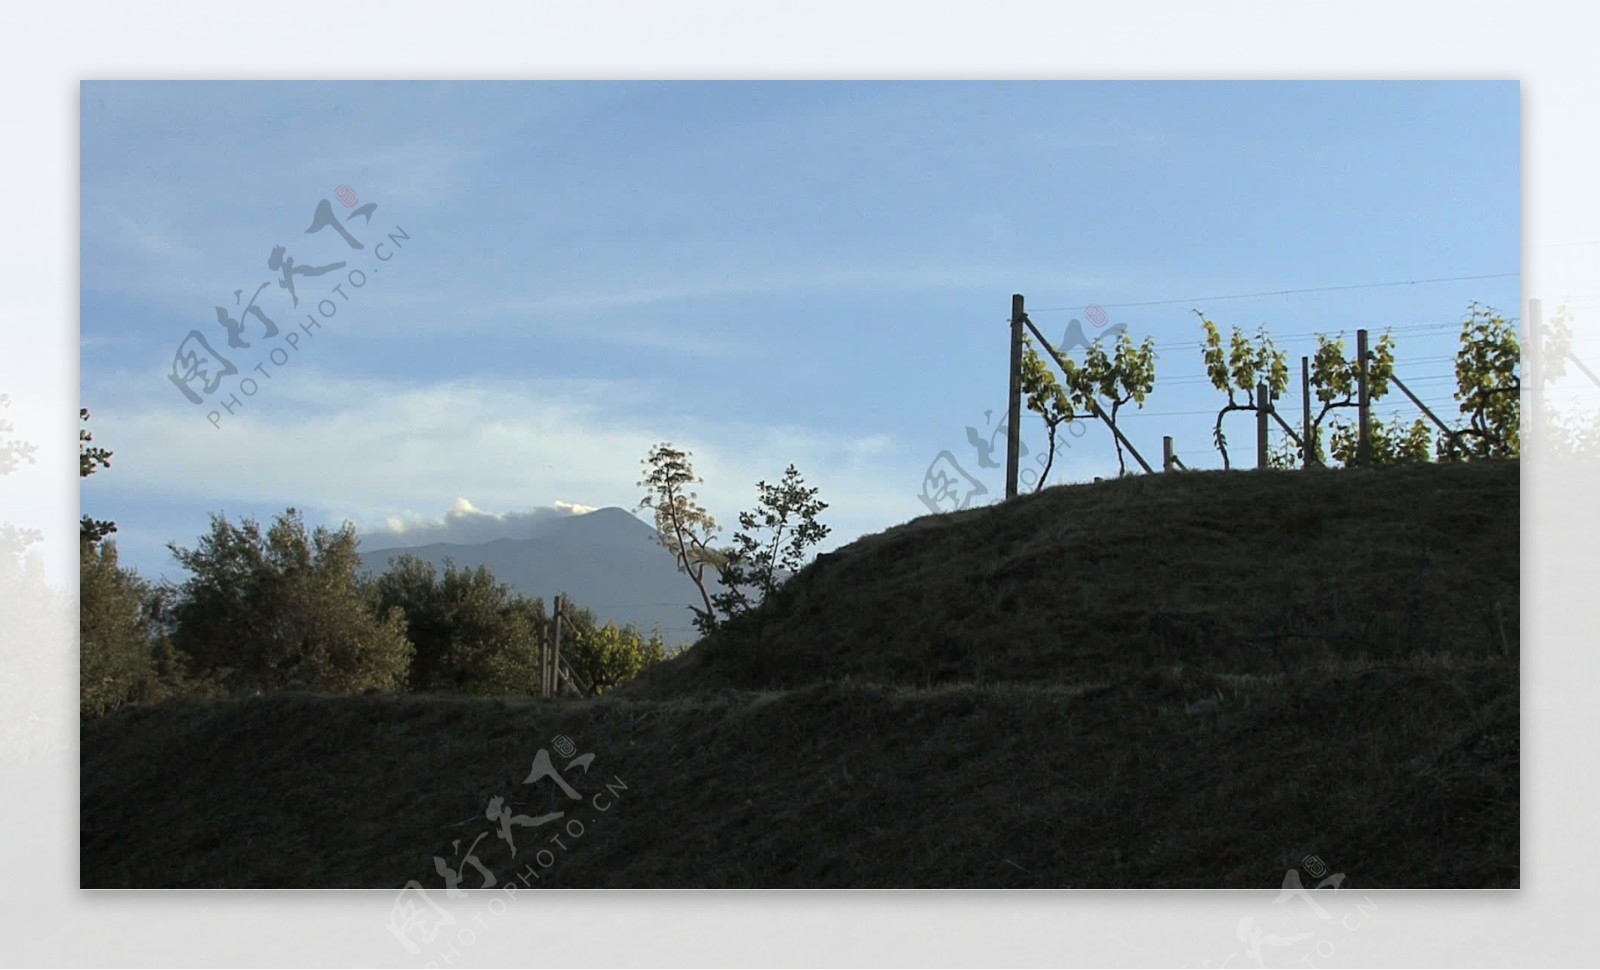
[373, 451]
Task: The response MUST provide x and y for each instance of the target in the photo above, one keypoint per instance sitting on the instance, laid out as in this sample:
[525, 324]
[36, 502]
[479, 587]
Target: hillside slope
[1173, 681]
[1237, 572]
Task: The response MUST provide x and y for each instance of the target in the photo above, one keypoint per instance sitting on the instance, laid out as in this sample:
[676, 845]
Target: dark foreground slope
[1005, 697]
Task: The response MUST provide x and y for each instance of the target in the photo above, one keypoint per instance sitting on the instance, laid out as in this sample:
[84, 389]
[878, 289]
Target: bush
[285, 609]
[472, 635]
[116, 635]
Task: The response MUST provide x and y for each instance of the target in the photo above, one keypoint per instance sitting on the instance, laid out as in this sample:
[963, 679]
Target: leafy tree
[90, 459]
[117, 635]
[471, 634]
[1238, 369]
[683, 526]
[285, 608]
[1488, 389]
[610, 656]
[787, 513]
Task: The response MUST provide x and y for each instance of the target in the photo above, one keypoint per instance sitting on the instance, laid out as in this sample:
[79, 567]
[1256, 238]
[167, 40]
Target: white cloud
[374, 452]
[464, 523]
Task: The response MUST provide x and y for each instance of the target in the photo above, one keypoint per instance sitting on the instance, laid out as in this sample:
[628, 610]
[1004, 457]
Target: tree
[788, 513]
[91, 459]
[471, 634]
[285, 608]
[1239, 369]
[684, 527]
[1488, 389]
[116, 634]
[609, 656]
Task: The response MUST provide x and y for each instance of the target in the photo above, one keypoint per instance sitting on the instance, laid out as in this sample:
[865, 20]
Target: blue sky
[764, 273]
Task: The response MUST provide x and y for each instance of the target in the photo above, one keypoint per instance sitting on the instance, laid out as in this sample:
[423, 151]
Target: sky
[554, 276]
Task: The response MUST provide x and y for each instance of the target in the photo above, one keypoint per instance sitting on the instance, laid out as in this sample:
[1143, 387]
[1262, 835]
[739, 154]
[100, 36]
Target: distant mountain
[606, 560]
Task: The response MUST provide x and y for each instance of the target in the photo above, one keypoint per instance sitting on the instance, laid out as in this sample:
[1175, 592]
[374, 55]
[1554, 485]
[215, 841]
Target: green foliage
[610, 656]
[123, 657]
[683, 526]
[1391, 444]
[1237, 369]
[1045, 397]
[90, 459]
[787, 514]
[1126, 375]
[1335, 383]
[285, 608]
[471, 634]
[1488, 389]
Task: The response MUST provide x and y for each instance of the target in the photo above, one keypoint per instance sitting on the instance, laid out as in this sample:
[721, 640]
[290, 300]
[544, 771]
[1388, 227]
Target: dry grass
[1000, 697]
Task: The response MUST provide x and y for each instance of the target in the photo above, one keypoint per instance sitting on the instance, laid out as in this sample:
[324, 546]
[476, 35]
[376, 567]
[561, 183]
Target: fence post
[1364, 421]
[555, 650]
[1306, 444]
[1533, 349]
[1014, 403]
[1263, 425]
[1166, 453]
[544, 659]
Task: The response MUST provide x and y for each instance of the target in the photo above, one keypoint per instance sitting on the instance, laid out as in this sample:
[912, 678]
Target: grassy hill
[1184, 680]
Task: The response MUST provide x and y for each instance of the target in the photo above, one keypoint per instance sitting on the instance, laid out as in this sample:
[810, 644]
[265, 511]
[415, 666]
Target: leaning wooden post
[1306, 444]
[1364, 420]
[1263, 424]
[1166, 453]
[1014, 403]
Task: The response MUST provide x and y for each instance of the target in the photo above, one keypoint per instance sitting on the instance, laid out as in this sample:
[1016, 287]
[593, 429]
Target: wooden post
[1364, 420]
[544, 658]
[1263, 424]
[1305, 404]
[555, 650]
[1166, 453]
[1014, 404]
[1533, 348]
